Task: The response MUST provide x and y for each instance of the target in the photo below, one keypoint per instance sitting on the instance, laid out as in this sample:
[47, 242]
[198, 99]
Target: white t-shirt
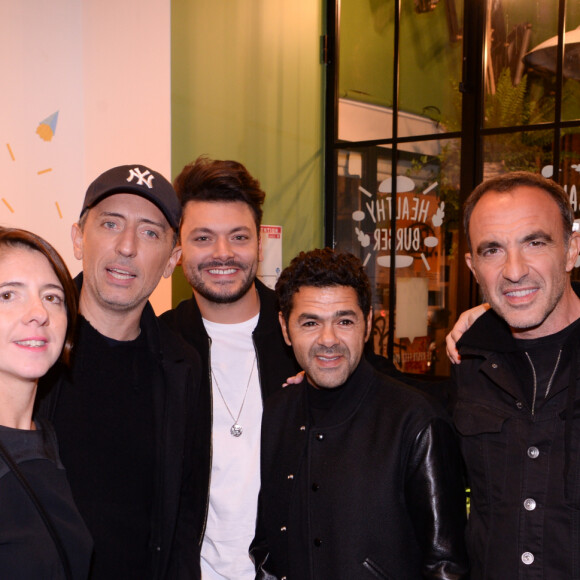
[235, 471]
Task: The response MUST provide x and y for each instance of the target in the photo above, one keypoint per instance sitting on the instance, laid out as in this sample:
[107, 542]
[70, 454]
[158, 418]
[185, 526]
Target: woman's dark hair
[322, 268]
[16, 238]
[215, 180]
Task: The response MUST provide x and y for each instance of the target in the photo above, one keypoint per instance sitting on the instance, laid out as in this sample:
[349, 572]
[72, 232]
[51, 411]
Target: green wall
[247, 84]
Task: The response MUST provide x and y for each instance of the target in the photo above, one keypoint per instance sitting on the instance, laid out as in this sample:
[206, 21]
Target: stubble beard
[515, 321]
[320, 378]
[223, 295]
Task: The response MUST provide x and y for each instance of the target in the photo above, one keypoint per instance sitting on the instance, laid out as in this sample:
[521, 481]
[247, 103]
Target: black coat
[523, 468]
[176, 516]
[275, 359]
[384, 489]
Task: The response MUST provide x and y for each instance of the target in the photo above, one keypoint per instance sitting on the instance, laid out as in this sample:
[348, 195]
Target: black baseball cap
[139, 180]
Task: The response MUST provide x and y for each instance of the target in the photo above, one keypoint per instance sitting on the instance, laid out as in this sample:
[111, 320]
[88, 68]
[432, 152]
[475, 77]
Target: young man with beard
[518, 402]
[361, 476]
[124, 413]
[232, 322]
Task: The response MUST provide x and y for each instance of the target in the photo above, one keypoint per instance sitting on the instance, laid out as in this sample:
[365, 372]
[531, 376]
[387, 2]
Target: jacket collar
[489, 332]
[353, 392]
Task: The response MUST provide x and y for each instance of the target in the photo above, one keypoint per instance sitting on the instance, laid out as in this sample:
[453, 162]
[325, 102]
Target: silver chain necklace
[536, 379]
[236, 429]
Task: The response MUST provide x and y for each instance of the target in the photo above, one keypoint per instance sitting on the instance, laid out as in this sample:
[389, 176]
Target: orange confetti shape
[44, 132]
[8, 205]
[58, 209]
[44, 171]
[10, 151]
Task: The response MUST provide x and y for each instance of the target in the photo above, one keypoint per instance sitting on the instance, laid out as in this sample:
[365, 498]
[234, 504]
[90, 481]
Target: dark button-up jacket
[386, 498]
[523, 468]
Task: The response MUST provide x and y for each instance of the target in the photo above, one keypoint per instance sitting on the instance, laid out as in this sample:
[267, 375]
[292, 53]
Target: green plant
[517, 105]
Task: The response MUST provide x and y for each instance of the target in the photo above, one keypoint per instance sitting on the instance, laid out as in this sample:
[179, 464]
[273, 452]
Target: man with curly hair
[360, 474]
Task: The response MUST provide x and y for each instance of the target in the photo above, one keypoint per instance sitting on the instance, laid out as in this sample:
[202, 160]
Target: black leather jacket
[384, 492]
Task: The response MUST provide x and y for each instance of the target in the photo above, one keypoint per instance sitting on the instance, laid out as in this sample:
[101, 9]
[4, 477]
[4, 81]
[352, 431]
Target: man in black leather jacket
[360, 475]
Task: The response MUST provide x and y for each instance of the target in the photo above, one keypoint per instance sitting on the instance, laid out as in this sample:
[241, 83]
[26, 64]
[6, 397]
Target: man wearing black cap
[124, 412]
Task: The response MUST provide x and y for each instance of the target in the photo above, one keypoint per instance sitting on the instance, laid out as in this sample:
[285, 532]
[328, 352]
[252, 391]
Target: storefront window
[414, 233]
[431, 97]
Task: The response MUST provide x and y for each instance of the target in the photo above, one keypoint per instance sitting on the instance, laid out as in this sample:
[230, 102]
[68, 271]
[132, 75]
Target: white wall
[105, 67]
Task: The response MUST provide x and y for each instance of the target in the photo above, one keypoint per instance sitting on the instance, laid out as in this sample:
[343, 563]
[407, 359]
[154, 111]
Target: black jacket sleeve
[435, 498]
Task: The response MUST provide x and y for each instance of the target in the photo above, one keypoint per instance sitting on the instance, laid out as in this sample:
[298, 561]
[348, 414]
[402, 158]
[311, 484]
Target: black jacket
[384, 493]
[523, 467]
[176, 517]
[276, 363]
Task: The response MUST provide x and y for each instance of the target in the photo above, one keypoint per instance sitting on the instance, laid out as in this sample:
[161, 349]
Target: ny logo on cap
[142, 178]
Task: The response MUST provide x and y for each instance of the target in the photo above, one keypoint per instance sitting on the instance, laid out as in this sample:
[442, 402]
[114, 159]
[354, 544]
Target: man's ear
[284, 327]
[468, 261]
[369, 323]
[573, 250]
[77, 240]
[172, 262]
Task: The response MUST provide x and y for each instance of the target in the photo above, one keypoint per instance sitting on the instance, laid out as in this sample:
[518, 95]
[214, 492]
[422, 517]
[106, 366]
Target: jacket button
[315, 487]
[283, 529]
[317, 542]
[519, 405]
[527, 558]
[494, 366]
[530, 504]
[320, 436]
[302, 427]
[290, 476]
[533, 452]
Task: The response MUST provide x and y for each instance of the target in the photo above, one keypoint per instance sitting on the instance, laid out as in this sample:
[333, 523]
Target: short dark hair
[13, 237]
[510, 181]
[322, 268]
[214, 180]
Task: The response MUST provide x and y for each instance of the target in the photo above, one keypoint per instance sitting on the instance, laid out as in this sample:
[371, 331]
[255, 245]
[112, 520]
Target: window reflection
[422, 249]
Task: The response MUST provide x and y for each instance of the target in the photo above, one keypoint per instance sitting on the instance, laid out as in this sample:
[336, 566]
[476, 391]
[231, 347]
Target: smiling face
[126, 245]
[327, 330]
[522, 261]
[221, 249]
[33, 318]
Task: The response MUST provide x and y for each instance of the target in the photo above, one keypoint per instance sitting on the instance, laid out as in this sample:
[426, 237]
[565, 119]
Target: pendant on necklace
[236, 430]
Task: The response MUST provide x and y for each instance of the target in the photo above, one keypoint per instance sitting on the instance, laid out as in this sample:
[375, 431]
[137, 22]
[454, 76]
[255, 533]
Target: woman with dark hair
[41, 532]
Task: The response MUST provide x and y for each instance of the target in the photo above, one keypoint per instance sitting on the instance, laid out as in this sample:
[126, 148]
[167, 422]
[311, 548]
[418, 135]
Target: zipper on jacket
[202, 535]
[374, 569]
[258, 366]
[157, 545]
